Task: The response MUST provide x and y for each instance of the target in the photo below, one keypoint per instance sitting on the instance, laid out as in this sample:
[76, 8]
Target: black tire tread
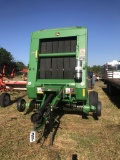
[2, 97]
[98, 109]
[93, 98]
[20, 107]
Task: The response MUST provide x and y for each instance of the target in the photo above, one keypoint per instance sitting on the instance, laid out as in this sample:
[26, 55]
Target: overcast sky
[18, 18]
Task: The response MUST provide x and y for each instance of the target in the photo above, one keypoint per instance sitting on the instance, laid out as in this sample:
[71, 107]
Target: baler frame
[57, 72]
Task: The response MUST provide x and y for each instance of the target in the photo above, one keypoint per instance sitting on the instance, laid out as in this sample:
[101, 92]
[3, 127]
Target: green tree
[20, 66]
[95, 69]
[7, 61]
[5, 56]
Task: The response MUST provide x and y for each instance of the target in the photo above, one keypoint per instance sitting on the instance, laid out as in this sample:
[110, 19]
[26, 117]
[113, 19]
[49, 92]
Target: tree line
[95, 69]
[8, 62]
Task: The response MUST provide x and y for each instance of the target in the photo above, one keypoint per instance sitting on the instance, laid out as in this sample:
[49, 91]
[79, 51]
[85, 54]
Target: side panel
[32, 69]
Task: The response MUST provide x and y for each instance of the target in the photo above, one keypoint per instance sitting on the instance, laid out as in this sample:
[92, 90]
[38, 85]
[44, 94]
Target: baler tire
[93, 98]
[4, 99]
[21, 105]
[98, 109]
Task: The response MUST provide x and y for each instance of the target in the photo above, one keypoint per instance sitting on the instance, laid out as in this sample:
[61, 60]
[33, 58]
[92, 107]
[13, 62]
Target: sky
[19, 18]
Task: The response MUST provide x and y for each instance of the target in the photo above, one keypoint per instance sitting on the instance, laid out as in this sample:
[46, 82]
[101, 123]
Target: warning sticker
[82, 52]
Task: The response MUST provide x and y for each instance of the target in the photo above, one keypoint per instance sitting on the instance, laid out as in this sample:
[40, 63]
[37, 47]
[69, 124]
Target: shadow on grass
[74, 157]
[15, 100]
[114, 98]
[51, 127]
[54, 125]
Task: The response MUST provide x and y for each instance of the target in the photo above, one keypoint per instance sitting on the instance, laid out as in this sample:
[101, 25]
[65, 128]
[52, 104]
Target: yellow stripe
[36, 54]
[39, 92]
[83, 92]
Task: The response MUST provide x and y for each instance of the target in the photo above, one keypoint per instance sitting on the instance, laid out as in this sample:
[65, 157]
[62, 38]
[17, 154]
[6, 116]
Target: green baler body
[52, 62]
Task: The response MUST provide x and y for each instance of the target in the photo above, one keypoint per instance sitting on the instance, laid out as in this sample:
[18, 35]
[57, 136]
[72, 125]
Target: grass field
[76, 138]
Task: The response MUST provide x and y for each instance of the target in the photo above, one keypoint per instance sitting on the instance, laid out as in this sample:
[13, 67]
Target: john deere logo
[57, 33]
